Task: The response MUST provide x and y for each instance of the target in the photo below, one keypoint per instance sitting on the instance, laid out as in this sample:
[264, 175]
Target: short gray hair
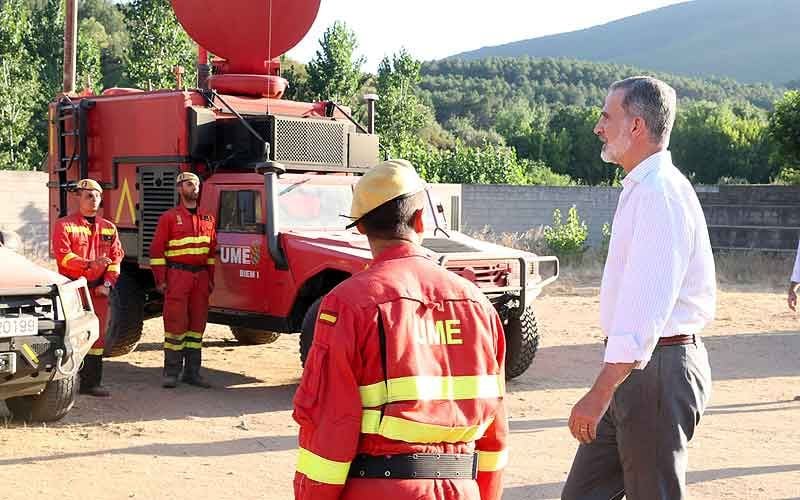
[651, 99]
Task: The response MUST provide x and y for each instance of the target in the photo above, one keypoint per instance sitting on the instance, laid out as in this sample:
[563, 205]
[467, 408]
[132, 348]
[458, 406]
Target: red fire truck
[277, 173]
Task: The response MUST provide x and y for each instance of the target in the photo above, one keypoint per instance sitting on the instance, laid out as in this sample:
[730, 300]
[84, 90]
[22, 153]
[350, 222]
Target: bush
[788, 177]
[567, 240]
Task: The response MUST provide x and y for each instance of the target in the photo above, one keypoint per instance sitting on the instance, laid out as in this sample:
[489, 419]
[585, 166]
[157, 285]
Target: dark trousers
[640, 451]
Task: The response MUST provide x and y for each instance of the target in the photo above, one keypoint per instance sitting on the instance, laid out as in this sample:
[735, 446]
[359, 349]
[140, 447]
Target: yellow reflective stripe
[187, 251]
[96, 352]
[174, 336]
[490, 461]
[211, 262]
[321, 469]
[192, 345]
[195, 335]
[370, 421]
[108, 231]
[158, 262]
[188, 241]
[112, 268]
[77, 230]
[68, 258]
[426, 388]
[173, 347]
[401, 429]
[373, 395]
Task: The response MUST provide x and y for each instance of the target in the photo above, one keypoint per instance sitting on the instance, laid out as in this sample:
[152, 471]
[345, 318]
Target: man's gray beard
[605, 156]
[190, 197]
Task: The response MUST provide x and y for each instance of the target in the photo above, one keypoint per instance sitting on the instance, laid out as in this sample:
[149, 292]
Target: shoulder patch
[328, 317]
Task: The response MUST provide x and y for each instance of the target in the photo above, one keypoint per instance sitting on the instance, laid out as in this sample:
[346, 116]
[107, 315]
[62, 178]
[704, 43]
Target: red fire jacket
[184, 238]
[76, 243]
[444, 386]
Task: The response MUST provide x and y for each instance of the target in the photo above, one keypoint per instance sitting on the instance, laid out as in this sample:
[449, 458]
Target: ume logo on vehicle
[247, 256]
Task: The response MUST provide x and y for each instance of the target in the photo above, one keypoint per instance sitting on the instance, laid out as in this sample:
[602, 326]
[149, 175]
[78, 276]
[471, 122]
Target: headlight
[75, 299]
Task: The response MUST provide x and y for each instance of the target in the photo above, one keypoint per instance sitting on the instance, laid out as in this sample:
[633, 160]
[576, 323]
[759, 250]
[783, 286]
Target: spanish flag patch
[328, 317]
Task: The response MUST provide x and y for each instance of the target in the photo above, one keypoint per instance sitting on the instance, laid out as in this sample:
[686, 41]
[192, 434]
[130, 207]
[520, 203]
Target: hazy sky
[432, 29]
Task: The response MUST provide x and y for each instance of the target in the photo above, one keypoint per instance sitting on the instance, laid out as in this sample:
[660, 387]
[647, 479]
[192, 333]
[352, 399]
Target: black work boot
[191, 372]
[173, 362]
[91, 375]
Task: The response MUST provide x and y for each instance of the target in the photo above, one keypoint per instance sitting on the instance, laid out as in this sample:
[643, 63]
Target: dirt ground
[238, 440]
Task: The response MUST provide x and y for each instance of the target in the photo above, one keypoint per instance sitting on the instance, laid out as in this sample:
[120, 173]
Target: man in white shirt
[794, 282]
[657, 294]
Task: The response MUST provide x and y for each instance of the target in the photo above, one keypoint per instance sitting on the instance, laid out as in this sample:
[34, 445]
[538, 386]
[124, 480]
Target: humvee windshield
[306, 205]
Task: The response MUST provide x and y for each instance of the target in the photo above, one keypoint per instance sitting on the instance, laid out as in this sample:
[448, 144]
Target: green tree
[333, 73]
[400, 111]
[712, 141]
[110, 15]
[158, 43]
[784, 127]
[92, 40]
[19, 85]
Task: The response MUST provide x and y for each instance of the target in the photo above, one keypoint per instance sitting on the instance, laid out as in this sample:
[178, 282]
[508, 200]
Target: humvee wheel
[307, 330]
[251, 336]
[52, 404]
[126, 316]
[522, 341]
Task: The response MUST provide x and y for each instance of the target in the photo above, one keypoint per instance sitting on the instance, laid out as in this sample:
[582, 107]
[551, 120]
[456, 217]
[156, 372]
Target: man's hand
[104, 291]
[162, 288]
[586, 414]
[791, 298]
[101, 263]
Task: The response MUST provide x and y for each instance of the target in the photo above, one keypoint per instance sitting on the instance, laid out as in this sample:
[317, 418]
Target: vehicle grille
[485, 275]
[40, 307]
[158, 194]
[312, 142]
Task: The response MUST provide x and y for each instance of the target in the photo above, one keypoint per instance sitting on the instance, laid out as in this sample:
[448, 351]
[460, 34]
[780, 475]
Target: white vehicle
[47, 325]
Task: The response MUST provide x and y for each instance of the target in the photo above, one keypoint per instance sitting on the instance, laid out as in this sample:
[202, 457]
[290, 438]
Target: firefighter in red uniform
[86, 245]
[182, 261]
[402, 393]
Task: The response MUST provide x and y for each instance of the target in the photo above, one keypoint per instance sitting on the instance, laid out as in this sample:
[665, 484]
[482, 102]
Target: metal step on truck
[276, 173]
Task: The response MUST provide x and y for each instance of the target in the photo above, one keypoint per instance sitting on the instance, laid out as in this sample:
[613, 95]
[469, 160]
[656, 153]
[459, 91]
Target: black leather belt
[415, 466]
[186, 267]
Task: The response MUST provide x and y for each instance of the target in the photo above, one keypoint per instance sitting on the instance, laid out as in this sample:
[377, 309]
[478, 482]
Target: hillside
[481, 88]
[747, 40]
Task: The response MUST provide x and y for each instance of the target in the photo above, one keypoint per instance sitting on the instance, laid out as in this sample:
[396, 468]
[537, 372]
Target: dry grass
[735, 270]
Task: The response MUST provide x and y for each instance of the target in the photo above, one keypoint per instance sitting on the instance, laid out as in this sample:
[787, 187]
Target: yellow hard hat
[89, 185]
[188, 176]
[385, 182]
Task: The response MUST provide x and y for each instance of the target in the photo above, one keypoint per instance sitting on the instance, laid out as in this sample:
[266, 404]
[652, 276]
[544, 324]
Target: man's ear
[360, 228]
[418, 221]
[638, 127]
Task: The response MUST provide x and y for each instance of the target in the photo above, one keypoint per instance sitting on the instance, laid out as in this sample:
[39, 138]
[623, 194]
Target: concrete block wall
[517, 209]
[24, 209]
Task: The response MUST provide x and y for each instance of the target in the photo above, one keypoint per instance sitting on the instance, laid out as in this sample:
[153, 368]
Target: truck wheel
[251, 336]
[52, 404]
[307, 330]
[522, 341]
[126, 305]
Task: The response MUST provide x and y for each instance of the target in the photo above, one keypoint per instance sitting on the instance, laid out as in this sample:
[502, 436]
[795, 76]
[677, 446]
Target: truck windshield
[306, 205]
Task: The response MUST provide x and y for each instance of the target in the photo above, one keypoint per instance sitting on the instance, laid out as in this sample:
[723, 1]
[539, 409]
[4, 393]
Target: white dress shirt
[796, 272]
[659, 278]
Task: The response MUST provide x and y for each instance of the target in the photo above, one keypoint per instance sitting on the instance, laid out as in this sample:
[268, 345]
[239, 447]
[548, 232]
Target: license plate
[19, 327]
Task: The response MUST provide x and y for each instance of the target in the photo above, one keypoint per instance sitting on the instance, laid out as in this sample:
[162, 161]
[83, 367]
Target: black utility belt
[186, 267]
[415, 466]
